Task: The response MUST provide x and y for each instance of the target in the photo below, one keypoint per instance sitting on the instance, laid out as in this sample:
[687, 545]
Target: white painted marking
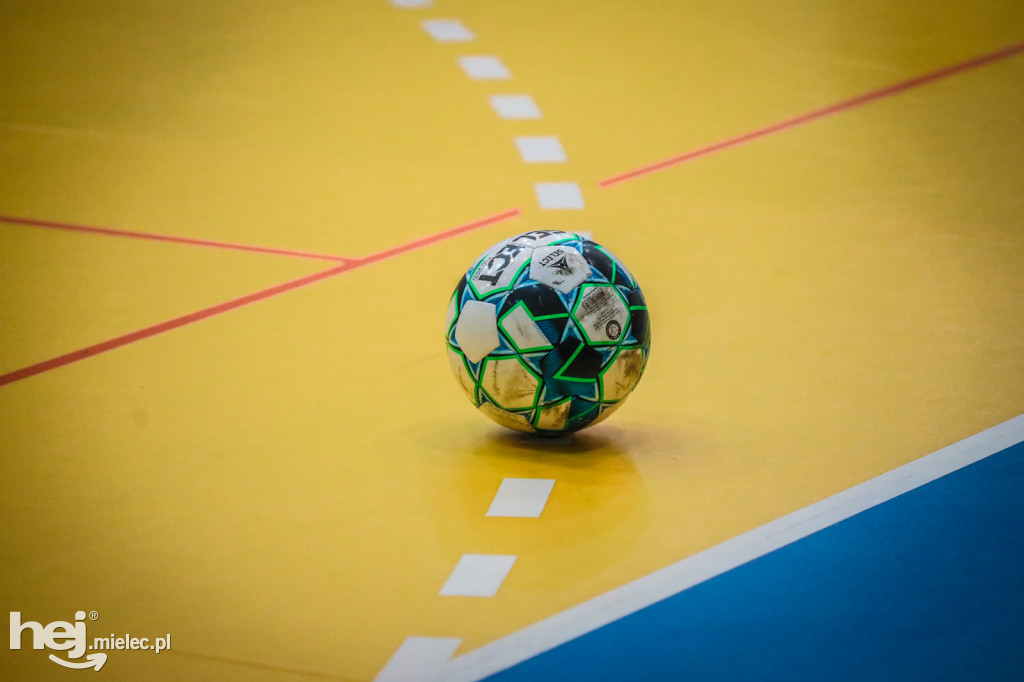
[418, 658]
[521, 497]
[559, 195]
[541, 149]
[484, 68]
[476, 332]
[448, 31]
[410, 4]
[478, 575]
[515, 106]
[622, 601]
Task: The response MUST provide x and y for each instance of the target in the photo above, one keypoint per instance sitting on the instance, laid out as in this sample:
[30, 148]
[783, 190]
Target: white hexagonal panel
[561, 267]
[522, 330]
[476, 332]
[621, 375]
[509, 420]
[463, 376]
[601, 314]
[509, 383]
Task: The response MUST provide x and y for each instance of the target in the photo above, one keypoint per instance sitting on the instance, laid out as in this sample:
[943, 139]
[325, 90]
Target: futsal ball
[548, 332]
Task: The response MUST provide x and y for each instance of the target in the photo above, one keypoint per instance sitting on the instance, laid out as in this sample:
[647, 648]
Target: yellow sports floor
[284, 483]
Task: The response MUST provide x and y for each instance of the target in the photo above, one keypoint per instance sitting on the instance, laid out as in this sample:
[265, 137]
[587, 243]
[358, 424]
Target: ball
[548, 332]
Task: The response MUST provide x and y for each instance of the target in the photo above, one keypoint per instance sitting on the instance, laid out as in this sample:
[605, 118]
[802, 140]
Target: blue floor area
[927, 586]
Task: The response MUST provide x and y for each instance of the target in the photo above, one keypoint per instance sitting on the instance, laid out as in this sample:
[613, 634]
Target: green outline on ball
[538, 408]
[613, 259]
[565, 365]
[476, 379]
[583, 329]
[615, 269]
[596, 406]
[508, 336]
[469, 370]
[536, 392]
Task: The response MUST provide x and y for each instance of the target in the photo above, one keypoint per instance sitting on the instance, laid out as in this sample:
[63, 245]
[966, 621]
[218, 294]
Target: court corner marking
[417, 658]
[622, 601]
[347, 265]
[168, 238]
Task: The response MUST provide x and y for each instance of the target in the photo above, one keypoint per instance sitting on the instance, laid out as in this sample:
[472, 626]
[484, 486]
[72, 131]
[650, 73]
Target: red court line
[124, 340]
[818, 113]
[440, 236]
[351, 264]
[166, 238]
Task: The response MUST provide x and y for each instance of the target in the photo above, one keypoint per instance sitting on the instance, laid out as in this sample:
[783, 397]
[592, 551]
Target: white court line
[622, 601]
[515, 107]
[541, 149]
[448, 30]
[478, 575]
[418, 658]
[410, 4]
[559, 196]
[521, 497]
[484, 68]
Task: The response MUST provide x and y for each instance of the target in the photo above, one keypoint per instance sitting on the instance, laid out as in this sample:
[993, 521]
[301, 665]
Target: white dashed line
[521, 497]
[419, 658]
[478, 575]
[515, 106]
[448, 31]
[412, 4]
[545, 149]
[622, 601]
[559, 195]
[484, 68]
[481, 575]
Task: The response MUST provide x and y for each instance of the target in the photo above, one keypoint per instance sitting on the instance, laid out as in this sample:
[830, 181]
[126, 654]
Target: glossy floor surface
[229, 232]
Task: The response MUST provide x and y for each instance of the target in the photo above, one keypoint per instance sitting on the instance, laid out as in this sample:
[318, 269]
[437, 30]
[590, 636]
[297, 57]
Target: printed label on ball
[562, 268]
[601, 314]
[556, 258]
[503, 261]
